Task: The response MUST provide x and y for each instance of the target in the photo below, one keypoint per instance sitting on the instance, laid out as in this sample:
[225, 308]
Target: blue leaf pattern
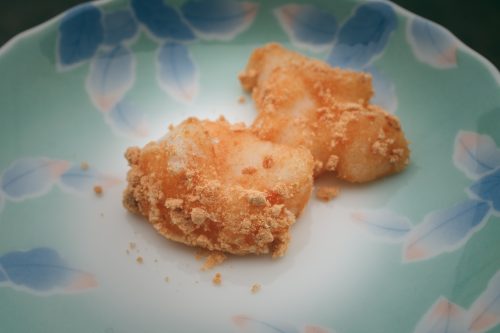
[307, 26]
[446, 230]
[119, 26]
[443, 317]
[364, 35]
[127, 119]
[30, 177]
[112, 74]
[475, 154]
[162, 20]
[488, 189]
[177, 73]
[80, 34]
[431, 43]
[383, 224]
[219, 19]
[83, 180]
[484, 313]
[42, 270]
[385, 91]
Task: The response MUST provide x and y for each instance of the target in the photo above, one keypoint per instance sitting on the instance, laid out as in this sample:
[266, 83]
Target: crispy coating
[305, 102]
[218, 186]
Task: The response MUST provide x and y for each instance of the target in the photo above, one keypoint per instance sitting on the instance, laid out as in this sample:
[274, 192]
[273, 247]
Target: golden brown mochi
[218, 186]
[305, 102]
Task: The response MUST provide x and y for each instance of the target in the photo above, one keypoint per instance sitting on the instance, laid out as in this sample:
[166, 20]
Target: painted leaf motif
[364, 36]
[112, 74]
[81, 180]
[119, 26]
[307, 26]
[445, 230]
[385, 90]
[250, 325]
[162, 20]
[177, 73]
[488, 189]
[42, 270]
[431, 43]
[475, 154]
[443, 317]
[383, 224]
[80, 34]
[484, 313]
[219, 19]
[31, 177]
[127, 119]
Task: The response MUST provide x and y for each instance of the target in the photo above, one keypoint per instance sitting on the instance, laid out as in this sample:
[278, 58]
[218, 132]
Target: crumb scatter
[327, 193]
[217, 279]
[98, 190]
[255, 288]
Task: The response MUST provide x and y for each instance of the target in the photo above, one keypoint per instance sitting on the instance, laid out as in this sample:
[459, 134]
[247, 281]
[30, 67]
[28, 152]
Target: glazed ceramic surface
[413, 253]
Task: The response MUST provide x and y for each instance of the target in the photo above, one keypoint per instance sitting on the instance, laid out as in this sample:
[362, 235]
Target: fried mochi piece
[217, 186]
[305, 102]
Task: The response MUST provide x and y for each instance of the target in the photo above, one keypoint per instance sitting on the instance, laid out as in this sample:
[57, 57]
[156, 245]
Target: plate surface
[417, 252]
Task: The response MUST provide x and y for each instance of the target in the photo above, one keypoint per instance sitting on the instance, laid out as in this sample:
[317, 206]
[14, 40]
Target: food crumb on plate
[167, 279]
[255, 288]
[242, 100]
[98, 190]
[132, 245]
[217, 279]
[139, 260]
[84, 166]
[327, 193]
[214, 258]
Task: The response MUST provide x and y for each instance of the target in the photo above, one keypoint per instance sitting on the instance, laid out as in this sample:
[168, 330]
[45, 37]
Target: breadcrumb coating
[305, 102]
[212, 185]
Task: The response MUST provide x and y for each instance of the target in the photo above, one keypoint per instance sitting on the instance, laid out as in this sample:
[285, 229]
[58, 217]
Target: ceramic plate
[417, 252]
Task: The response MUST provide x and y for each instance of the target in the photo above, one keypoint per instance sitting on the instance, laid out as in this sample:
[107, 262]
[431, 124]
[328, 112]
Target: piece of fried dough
[218, 186]
[305, 102]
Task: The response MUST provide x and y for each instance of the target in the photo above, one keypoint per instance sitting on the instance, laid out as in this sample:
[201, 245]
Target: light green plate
[417, 252]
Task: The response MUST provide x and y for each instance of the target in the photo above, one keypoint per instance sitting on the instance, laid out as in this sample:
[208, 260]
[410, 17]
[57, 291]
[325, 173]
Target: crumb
[217, 279]
[327, 193]
[98, 190]
[127, 251]
[242, 100]
[267, 162]
[172, 203]
[257, 198]
[318, 166]
[167, 279]
[198, 215]
[170, 127]
[132, 245]
[255, 288]
[84, 166]
[139, 260]
[248, 171]
[156, 260]
[332, 163]
[214, 258]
